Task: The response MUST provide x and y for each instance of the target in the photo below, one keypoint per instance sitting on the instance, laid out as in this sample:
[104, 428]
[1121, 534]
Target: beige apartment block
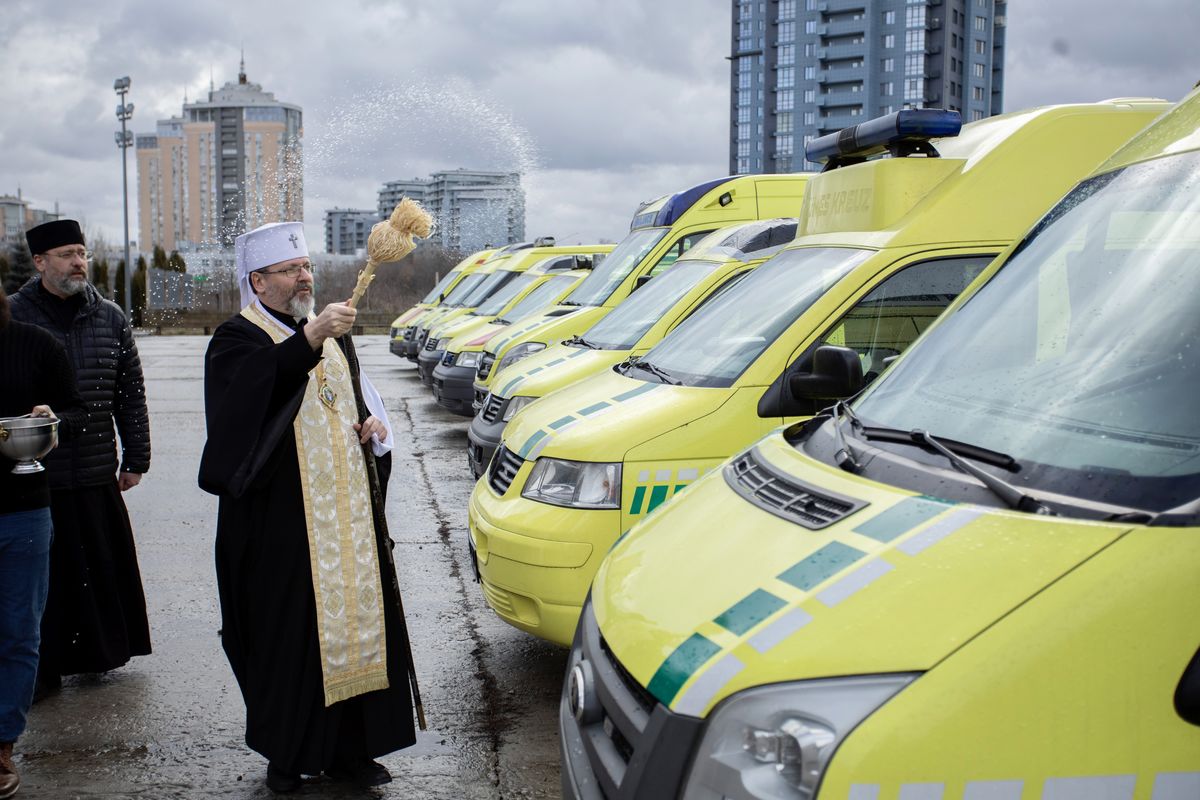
[226, 165]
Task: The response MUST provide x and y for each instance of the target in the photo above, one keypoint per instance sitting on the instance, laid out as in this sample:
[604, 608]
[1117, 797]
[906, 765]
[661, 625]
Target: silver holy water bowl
[26, 439]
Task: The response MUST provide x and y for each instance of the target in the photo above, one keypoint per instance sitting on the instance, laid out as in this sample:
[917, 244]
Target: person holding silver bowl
[36, 380]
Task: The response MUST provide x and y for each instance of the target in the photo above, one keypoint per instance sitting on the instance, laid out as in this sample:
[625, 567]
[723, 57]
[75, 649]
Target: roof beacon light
[903, 133]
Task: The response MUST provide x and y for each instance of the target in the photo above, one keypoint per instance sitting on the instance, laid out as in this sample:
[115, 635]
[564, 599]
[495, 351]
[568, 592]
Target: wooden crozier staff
[390, 241]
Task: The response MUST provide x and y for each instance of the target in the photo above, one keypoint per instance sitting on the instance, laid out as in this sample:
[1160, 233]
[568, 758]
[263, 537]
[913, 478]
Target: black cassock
[252, 391]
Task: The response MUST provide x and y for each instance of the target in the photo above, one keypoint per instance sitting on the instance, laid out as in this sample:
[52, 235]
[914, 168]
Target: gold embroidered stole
[341, 530]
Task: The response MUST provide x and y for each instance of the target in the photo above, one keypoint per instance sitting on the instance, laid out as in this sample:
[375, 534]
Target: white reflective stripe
[644, 476]
[864, 791]
[1098, 787]
[855, 582]
[780, 629]
[993, 790]
[539, 447]
[689, 474]
[705, 688]
[1176, 786]
[662, 475]
[922, 791]
[939, 530]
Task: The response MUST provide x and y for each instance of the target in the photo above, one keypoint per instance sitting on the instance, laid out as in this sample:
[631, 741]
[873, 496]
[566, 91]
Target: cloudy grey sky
[601, 103]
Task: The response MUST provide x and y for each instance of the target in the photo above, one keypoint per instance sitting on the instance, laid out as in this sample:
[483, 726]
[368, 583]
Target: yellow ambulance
[978, 581]
[404, 326]
[559, 269]
[884, 247]
[632, 328]
[456, 297]
[661, 231]
[516, 271]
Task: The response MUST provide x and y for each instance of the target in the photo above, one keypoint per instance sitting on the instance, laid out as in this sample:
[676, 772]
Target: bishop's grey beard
[300, 309]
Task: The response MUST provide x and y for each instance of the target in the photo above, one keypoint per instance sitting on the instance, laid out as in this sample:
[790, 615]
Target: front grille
[491, 411]
[504, 467]
[448, 359]
[781, 494]
[485, 366]
[636, 691]
[624, 742]
[410, 332]
[431, 343]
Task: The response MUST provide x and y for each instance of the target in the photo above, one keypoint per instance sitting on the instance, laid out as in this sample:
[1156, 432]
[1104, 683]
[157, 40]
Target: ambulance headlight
[469, 359]
[776, 741]
[517, 353]
[574, 484]
[515, 405]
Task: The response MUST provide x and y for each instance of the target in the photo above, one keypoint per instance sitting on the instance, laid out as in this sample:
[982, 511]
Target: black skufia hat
[49, 235]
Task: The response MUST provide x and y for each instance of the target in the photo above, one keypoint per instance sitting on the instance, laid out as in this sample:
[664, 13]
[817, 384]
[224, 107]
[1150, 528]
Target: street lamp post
[125, 141]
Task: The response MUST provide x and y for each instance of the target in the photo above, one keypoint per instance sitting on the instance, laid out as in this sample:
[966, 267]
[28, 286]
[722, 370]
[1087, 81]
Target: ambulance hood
[552, 368]
[713, 595]
[602, 417]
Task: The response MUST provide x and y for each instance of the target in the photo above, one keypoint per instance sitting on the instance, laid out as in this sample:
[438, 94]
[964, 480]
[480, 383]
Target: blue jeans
[24, 578]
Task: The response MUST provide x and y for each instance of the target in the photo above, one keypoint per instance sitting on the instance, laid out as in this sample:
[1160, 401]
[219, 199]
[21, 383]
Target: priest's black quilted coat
[109, 375]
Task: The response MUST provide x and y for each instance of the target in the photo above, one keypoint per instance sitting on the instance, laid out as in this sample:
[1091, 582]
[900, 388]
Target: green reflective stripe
[555, 361]
[511, 385]
[679, 666]
[578, 353]
[592, 409]
[657, 495]
[531, 441]
[901, 518]
[820, 566]
[533, 371]
[639, 494]
[750, 611]
[645, 387]
[679, 488]
[561, 421]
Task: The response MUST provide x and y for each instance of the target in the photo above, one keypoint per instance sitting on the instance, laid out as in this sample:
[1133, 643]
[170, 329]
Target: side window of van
[893, 314]
[679, 248]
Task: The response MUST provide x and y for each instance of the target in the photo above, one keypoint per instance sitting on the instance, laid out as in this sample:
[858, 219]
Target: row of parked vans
[795, 555]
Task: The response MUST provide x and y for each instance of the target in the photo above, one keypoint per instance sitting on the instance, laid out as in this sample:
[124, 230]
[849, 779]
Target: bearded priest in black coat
[314, 641]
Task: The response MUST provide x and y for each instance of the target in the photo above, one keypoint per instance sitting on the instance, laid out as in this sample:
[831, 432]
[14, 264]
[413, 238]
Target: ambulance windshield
[1081, 357]
[629, 321]
[715, 345]
[609, 273]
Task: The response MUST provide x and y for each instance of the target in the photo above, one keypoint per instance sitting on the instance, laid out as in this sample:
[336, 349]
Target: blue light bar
[900, 133]
[673, 209]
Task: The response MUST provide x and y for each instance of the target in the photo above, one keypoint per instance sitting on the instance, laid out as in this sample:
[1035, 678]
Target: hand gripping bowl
[26, 439]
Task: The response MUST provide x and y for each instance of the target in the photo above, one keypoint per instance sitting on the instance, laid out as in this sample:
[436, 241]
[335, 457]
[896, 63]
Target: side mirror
[583, 262]
[641, 281]
[836, 374]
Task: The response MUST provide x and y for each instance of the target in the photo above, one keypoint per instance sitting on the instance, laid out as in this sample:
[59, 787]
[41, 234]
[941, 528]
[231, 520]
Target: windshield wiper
[579, 340]
[950, 450]
[658, 372]
[570, 303]
[845, 457]
[1010, 494]
[1179, 516]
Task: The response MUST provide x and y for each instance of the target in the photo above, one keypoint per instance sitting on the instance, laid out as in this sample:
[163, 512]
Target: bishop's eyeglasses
[290, 272]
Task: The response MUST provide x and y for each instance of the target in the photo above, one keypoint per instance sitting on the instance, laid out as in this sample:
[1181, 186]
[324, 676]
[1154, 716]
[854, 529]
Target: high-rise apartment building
[347, 229]
[226, 165]
[805, 68]
[474, 209]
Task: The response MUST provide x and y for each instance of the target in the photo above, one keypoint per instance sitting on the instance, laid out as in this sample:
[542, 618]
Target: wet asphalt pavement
[170, 725]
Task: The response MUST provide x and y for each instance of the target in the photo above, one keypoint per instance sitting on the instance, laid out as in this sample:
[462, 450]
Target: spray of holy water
[355, 143]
